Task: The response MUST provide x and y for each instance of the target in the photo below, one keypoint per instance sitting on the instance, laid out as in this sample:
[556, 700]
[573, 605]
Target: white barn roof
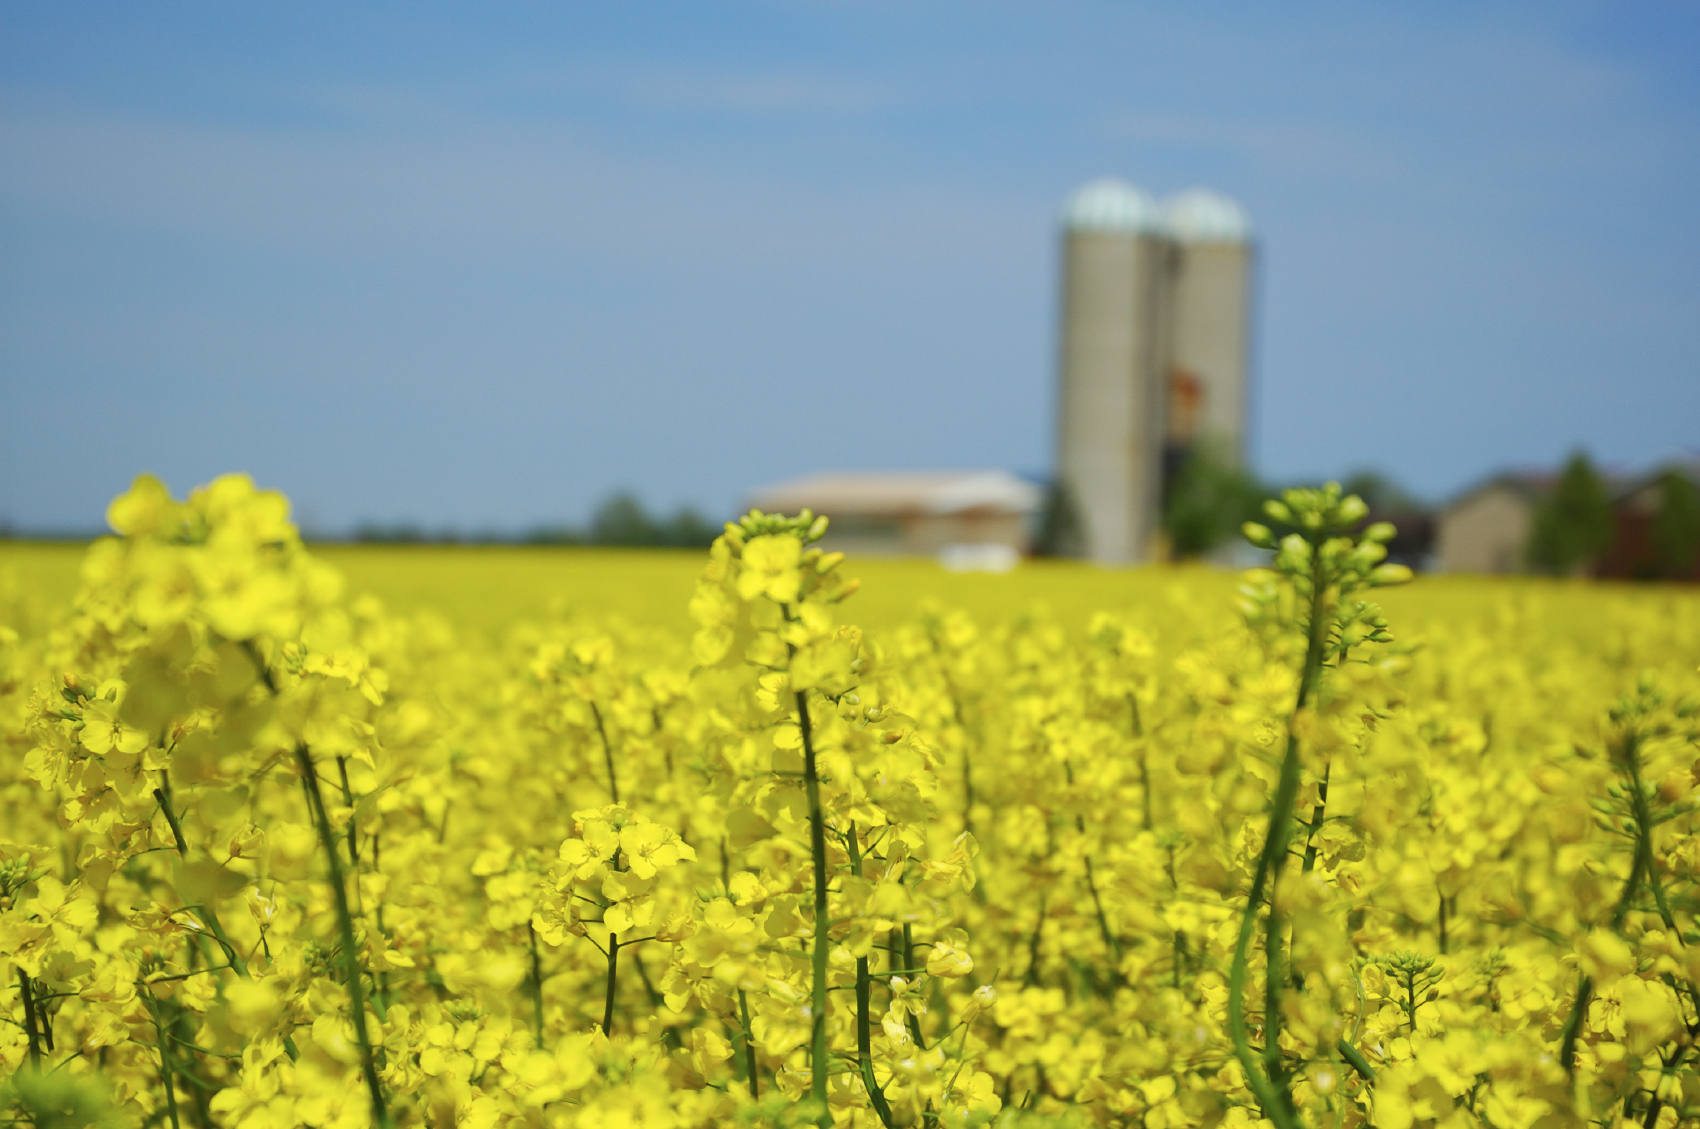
[902, 492]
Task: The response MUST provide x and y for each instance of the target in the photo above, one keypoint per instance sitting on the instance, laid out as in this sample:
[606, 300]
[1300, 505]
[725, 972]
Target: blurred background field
[488, 589]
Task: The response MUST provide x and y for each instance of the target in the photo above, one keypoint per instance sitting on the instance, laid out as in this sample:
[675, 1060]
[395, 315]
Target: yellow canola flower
[339, 853]
[770, 568]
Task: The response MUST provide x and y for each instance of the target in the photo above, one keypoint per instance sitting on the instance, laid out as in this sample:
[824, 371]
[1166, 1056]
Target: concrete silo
[1210, 342]
[1110, 418]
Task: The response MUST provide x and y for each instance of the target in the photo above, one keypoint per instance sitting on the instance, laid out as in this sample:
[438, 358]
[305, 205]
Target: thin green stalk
[607, 752]
[209, 912]
[1642, 863]
[1656, 1105]
[348, 799]
[164, 1064]
[1110, 942]
[1356, 1059]
[1573, 1022]
[380, 982]
[909, 963]
[164, 800]
[823, 926]
[536, 981]
[1643, 834]
[1442, 923]
[749, 1046]
[224, 942]
[864, 1018]
[962, 724]
[613, 951]
[345, 925]
[1032, 976]
[613, 980]
[1144, 767]
[1317, 814]
[1267, 1079]
[30, 1019]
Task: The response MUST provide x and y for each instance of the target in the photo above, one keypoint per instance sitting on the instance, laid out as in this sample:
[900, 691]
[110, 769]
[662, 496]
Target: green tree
[1061, 531]
[1676, 531]
[1380, 493]
[622, 520]
[1207, 501]
[1573, 526]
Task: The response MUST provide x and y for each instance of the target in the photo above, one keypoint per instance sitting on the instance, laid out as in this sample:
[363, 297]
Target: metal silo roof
[1111, 204]
[1199, 215]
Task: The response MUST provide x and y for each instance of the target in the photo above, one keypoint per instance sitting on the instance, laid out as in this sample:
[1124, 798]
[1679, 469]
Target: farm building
[1486, 529]
[975, 518]
[1154, 350]
[1654, 523]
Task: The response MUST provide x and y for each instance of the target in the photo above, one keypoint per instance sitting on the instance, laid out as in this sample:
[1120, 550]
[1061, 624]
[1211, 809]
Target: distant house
[972, 518]
[1487, 527]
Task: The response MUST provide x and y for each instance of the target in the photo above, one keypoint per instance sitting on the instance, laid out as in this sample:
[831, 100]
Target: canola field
[303, 836]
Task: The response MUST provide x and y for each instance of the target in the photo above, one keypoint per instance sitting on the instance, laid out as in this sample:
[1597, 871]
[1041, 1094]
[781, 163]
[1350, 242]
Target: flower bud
[1258, 535]
[1387, 575]
[1382, 531]
[1352, 510]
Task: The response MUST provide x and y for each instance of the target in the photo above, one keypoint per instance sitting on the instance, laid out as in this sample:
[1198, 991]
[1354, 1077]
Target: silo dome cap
[1111, 204]
[1199, 215]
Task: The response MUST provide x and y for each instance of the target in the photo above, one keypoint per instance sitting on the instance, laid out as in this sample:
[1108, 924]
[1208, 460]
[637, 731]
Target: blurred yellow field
[498, 836]
[491, 588]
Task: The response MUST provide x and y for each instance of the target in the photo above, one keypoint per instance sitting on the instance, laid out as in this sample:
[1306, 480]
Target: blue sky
[475, 266]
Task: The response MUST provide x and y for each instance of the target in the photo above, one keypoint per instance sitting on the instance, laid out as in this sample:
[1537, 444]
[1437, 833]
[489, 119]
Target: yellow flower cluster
[275, 856]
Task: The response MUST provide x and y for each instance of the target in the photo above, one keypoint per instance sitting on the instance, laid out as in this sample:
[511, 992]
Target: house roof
[1531, 485]
[888, 493]
[1685, 465]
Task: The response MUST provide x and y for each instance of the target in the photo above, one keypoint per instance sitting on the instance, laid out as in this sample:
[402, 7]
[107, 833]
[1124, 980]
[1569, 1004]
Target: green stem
[1573, 1023]
[1110, 941]
[209, 912]
[1357, 1061]
[1267, 1079]
[1641, 863]
[164, 1064]
[961, 724]
[30, 1019]
[1442, 923]
[348, 799]
[536, 981]
[1144, 768]
[164, 800]
[823, 936]
[749, 1045]
[1032, 976]
[1317, 814]
[607, 752]
[345, 924]
[864, 1019]
[224, 942]
[613, 979]
[1656, 1105]
[909, 962]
